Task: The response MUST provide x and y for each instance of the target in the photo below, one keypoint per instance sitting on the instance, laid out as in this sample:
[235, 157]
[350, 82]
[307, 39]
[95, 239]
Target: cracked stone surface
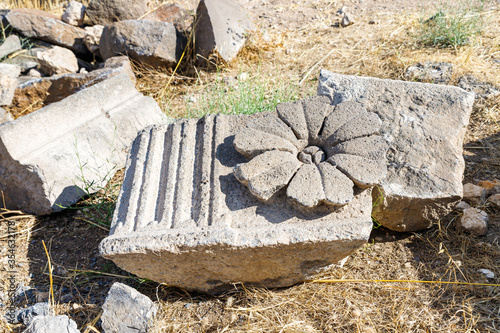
[424, 126]
[184, 219]
[345, 137]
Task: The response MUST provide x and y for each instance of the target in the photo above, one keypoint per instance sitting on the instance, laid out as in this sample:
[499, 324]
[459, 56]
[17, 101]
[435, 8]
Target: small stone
[57, 60]
[494, 200]
[10, 45]
[481, 89]
[346, 20]
[356, 313]
[125, 310]
[474, 221]
[8, 82]
[474, 195]
[433, 72]
[74, 13]
[243, 76]
[462, 205]
[35, 73]
[93, 37]
[25, 316]
[52, 324]
[489, 274]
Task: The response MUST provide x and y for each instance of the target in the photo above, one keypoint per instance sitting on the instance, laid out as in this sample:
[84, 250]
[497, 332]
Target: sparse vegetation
[452, 25]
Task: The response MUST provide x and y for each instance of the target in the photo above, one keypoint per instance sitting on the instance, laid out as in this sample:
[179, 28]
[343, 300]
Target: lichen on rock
[319, 152]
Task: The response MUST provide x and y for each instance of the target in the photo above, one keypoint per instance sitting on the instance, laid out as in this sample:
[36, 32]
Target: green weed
[452, 26]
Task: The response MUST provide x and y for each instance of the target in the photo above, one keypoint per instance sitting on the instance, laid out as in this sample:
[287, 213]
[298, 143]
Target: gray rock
[171, 13]
[474, 195]
[38, 24]
[52, 324]
[481, 89]
[462, 205]
[474, 221]
[105, 12]
[424, 126]
[85, 136]
[182, 208]
[222, 27]
[8, 82]
[347, 20]
[429, 71]
[57, 87]
[151, 42]
[5, 116]
[57, 60]
[25, 316]
[10, 45]
[93, 38]
[25, 59]
[126, 310]
[74, 13]
[494, 200]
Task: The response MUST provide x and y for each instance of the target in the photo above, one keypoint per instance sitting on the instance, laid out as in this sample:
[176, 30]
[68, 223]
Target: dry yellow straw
[403, 281]
[52, 301]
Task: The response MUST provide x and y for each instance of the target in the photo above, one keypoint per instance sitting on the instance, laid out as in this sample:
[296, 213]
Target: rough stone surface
[424, 126]
[474, 221]
[462, 205]
[171, 13]
[10, 45]
[57, 60]
[42, 25]
[105, 12]
[481, 89]
[154, 43]
[5, 116]
[184, 219]
[222, 26]
[52, 324]
[494, 200]
[8, 82]
[474, 195]
[25, 316]
[93, 38]
[85, 136]
[126, 310]
[429, 71]
[53, 89]
[25, 59]
[278, 157]
[74, 13]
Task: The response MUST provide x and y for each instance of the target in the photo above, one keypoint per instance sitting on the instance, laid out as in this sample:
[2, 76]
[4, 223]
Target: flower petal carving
[293, 115]
[306, 186]
[268, 172]
[272, 124]
[361, 170]
[338, 188]
[251, 142]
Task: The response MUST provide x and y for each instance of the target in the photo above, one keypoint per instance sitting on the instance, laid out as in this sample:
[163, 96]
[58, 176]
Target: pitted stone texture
[154, 43]
[127, 311]
[266, 139]
[105, 12]
[38, 24]
[10, 45]
[8, 82]
[424, 126]
[183, 218]
[45, 155]
[222, 26]
[429, 71]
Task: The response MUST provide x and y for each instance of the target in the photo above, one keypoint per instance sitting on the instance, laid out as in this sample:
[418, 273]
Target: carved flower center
[312, 155]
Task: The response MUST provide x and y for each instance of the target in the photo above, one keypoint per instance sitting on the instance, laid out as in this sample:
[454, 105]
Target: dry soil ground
[292, 41]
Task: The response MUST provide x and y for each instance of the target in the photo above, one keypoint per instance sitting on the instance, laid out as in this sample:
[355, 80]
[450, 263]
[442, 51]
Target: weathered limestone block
[221, 26]
[424, 125]
[8, 81]
[38, 24]
[183, 218]
[45, 155]
[57, 60]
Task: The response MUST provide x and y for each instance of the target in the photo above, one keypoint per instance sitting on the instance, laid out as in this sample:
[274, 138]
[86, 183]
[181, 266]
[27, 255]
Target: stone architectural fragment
[184, 219]
[105, 12]
[126, 310]
[47, 27]
[154, 43]
[221, 26]
[45, 155]
[424, 125]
